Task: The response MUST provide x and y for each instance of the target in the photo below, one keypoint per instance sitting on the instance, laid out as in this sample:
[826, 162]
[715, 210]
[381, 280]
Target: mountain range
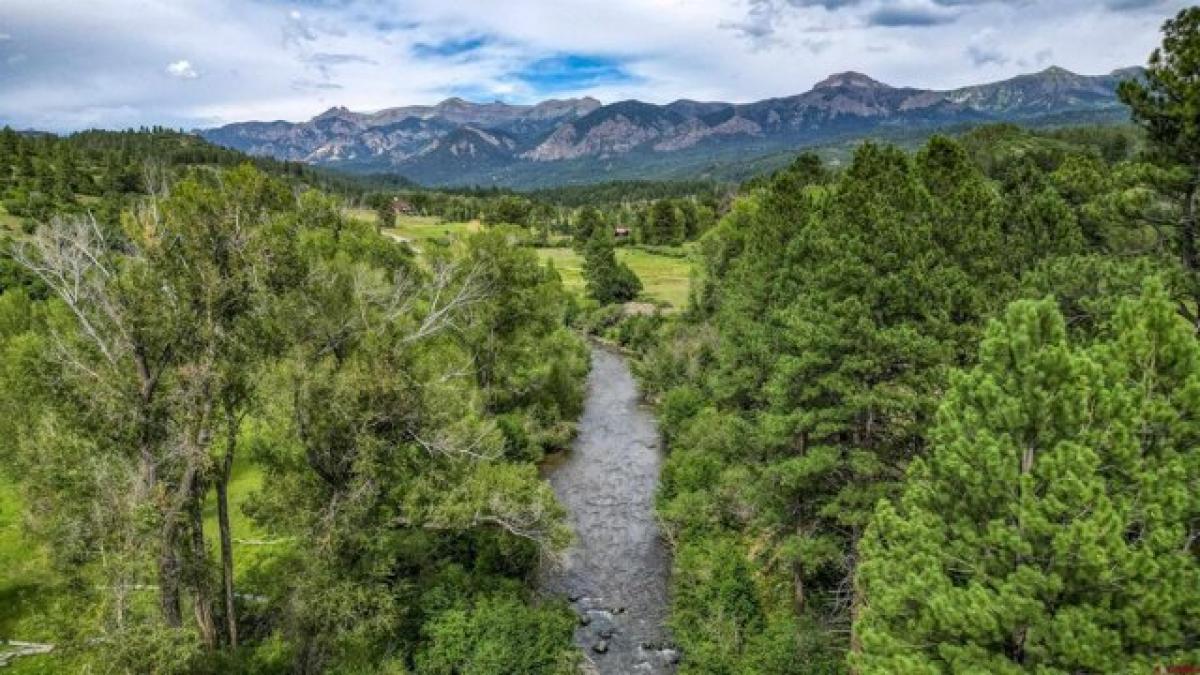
[457, 142]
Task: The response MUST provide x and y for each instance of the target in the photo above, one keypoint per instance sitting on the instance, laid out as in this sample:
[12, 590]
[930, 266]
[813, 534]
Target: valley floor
[665, 272]
[665, 278]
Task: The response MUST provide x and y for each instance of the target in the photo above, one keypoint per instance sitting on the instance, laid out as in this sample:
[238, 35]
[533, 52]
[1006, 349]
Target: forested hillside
[936, 412]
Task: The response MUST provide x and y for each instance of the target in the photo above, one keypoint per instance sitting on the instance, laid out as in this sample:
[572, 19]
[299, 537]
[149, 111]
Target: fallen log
[11, 650]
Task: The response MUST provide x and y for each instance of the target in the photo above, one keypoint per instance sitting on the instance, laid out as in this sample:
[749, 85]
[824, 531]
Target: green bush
[499, 635]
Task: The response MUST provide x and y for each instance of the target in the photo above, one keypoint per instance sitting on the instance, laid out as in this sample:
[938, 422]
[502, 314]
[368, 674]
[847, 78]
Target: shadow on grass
[18, 603]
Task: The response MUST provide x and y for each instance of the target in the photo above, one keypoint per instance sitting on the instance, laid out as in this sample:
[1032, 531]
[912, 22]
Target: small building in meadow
[403, 207]
[621, 233]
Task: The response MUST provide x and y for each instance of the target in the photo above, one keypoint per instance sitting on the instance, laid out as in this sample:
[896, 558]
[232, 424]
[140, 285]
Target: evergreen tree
[509, 210]
[662, 225]
[1164, 103]
[608, 280]
[381, 204]
[1038, 221]
[1052, 528]
[805, 170]
[689, 216]
[587, 223]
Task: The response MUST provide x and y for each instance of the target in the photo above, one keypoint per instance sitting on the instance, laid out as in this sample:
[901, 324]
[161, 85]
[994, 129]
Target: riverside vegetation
[937, 413]
[929, 412]
[395, 409]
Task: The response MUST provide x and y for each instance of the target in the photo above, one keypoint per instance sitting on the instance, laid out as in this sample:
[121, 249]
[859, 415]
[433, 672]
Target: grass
[417, 229]
[569, 265]
[36, 605]
[9, 221]
[246, 479]
[664, 278]
[23, 568]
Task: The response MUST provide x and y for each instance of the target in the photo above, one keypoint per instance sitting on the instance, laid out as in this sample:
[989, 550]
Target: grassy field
[422, 228]
[36, 606]
[569, 266]
[664, 278]
[417, 229]
[23, 568]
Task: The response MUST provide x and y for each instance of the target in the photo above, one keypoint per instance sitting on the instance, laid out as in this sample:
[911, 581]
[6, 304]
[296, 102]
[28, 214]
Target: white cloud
[985, 49]
[183, 70]
[266, 59]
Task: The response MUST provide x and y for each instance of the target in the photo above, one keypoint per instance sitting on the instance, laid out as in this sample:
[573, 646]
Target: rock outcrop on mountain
[460, 142]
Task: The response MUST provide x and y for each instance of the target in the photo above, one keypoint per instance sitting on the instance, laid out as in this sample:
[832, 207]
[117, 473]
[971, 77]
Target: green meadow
[665, 278]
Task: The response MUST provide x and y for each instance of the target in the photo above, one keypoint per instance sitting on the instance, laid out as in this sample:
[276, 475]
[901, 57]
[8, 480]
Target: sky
[74, 64]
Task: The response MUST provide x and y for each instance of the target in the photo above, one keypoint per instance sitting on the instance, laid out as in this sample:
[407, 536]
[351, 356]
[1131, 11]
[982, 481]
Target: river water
[615, 574]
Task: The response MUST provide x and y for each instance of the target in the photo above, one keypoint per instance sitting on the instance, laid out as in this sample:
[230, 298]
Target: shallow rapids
[616, 573]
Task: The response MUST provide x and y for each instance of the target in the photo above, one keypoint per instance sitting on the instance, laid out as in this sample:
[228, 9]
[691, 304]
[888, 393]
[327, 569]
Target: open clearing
[417, 229]
[664, 278]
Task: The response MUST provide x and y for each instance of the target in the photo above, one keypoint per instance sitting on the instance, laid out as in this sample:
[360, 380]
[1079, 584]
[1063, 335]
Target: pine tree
[1052, 528]
[1165, 105]
[608, 280]
[663, 225]
[587, 223]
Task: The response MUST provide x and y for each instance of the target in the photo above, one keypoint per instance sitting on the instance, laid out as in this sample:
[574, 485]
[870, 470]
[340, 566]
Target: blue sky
[68, 64]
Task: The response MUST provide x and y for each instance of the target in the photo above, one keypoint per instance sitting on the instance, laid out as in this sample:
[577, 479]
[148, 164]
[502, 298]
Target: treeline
[103, 172]
[42, 174]
[661, 222]
[228, 326]
[940, 412]
[602, 194]
[618, 192]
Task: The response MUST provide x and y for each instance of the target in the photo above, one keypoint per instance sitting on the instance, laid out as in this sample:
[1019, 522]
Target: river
[616, 573]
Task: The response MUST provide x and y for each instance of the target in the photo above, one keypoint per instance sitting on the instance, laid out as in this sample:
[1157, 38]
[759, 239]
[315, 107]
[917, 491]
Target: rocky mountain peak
[460, 142]
[850, 79]
[336, 111]
[1129, 73]
[1057, 74]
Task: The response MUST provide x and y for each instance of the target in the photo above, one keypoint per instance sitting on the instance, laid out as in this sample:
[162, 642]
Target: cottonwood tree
[217, 232]
[383, 461]
[118, 339]
[526, 363]
[159, 337]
